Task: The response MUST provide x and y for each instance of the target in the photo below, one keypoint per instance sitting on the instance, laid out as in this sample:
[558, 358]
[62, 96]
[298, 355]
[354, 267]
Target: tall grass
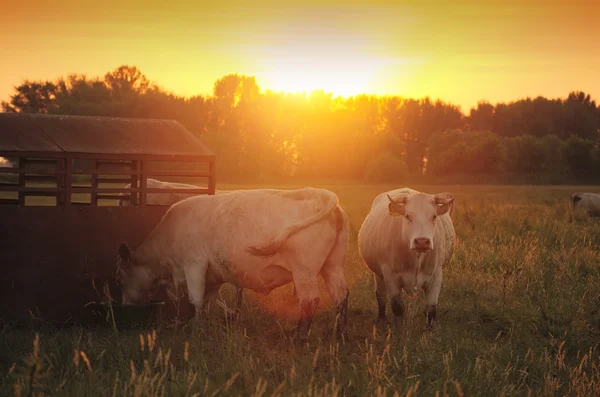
[519, 315]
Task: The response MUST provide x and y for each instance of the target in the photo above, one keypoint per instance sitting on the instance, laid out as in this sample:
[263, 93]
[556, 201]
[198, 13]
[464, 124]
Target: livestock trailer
[62, 179]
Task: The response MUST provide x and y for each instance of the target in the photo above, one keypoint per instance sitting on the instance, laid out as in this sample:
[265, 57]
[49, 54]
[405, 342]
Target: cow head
[138, 282]
[420, 212]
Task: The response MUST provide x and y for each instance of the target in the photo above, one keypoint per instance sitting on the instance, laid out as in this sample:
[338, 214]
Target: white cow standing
[586, 202]
[258, 239]
[406, 240]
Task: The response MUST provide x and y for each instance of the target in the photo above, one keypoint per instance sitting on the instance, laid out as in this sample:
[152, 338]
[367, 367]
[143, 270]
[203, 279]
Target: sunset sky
[460, 52]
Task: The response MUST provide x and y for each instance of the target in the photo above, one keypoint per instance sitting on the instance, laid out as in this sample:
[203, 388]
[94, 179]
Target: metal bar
[41, 194]
[94, 199]
[30, 189]
[5, 170]
[40, 178]
[21, 182]
[111, 156]
[68, 180]
[122, 163]
[134, 183]
[143, 182]
[114, 180]
[92, 172]
[162, 190]
[77, 189]
[30, 161]
[180, 173]
[113, 197]
[212, 179]
[60, 182]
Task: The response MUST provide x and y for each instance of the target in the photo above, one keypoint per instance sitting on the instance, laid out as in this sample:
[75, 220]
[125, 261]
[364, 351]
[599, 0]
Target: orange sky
[460, 52]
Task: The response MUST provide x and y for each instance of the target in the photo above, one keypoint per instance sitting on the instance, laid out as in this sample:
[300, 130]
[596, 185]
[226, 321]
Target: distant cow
[406, 239]
[586, 202]
[258, 239]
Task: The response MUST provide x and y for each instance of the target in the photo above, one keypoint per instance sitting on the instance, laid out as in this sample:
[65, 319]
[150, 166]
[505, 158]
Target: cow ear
[124, 252]
[443, 203]
[397, 206]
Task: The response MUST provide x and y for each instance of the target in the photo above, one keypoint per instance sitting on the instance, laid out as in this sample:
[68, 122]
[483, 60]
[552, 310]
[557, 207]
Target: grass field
[519, 315]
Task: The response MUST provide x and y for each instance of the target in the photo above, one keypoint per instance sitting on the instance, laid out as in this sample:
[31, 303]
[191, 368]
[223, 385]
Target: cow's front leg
[432, 293]
[195, 277]
[239, 299]
[308, 296]
[394, 291]
[381, 296]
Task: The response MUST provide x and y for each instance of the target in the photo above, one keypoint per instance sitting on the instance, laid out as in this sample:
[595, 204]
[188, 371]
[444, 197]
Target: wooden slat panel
[143, 181]
[41, 194]
[114, 180]
[30, 161]
[113, 197]
[41, 178]
[30, 189]
[24, 171]
[5, 201]
[21, 181]
[179, 173]
[92, 172]
[76, 189]
[212, 181]
[9, 184]
[193, 191]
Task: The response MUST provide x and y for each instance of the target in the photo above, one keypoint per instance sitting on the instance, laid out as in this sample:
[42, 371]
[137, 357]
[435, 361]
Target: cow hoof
[398, 307]
[431, 315]
[300, 341]
[381, 323]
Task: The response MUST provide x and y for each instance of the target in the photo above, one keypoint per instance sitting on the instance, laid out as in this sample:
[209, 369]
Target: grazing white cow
[170, 199]
[586, 202]
[406, 239]
[258, 239]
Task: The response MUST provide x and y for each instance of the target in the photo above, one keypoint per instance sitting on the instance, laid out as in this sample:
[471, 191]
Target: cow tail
[275, 245]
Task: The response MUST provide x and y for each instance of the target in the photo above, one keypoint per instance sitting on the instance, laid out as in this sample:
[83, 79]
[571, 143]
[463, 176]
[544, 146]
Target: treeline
[264, 134]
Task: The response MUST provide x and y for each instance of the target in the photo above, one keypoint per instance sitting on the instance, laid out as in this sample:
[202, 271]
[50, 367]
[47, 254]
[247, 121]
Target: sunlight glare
[343, 76]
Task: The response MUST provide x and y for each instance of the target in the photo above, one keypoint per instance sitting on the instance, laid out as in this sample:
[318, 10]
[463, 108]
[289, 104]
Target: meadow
[519, 315]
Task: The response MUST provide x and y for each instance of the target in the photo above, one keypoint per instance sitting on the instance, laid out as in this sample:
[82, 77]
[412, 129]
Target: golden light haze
[460, 52]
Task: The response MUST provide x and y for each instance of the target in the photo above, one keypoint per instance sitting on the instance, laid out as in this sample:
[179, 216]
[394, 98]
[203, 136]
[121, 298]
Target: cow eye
[408, 217]
[434, 217]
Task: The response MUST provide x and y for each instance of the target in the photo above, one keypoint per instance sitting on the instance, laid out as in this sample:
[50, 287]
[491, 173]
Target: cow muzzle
[422, 244]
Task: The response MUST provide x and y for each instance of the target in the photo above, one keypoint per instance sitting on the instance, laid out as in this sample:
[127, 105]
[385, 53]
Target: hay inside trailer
[62, 179]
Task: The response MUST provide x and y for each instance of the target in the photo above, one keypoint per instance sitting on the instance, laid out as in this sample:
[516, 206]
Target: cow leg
[195, 277]
[393, 291]
[381, 296]
[239, 297]
[308, 297]
[432, 293]
[333, 274]
[210, 297]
